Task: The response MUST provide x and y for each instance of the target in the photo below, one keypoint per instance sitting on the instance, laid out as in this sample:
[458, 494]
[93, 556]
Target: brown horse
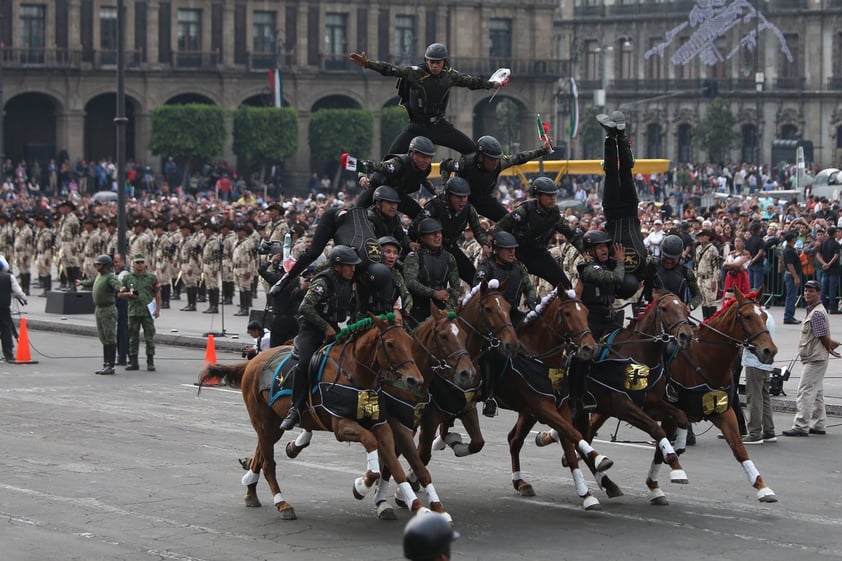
[699, 380]
[555, 332]
[359, 365]
[628, 382]
[439, 351]
[485, 315]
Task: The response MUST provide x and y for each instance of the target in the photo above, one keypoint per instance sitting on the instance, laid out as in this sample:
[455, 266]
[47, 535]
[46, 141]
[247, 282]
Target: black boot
[489, 408]
[45, 282]
[24, 282]
[213, 299]
[245, 297]
[104, 360]
[191, 300]
[150, 363]
[176, 290]
[133, 365]
[74, 274]
[227, 293]
[110, 357]
[201, 294]
[165, 296]
[299, 397]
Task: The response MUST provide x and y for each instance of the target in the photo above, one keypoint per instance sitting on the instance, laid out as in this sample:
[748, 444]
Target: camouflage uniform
[140, 242]
[147, 287]
[211, 263]
[166, 248]
[244, 251]
[7, 239]
[228, 240]
[707, 272]
[24, 249]
[473, 250]
[90, 249]
[70, 251]
[44, 245]
[190, 254]
[422, 280]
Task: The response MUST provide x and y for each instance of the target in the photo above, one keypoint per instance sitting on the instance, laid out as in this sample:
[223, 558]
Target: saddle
[275, 375]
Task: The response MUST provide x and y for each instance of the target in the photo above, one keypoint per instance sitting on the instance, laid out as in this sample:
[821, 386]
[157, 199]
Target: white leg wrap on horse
[406, 493]
[751, 471]
[438, 443]
[452, 439]
[382, 490]
[666, 447]
[461, 450]
[680, 438]
[553, 434]
[579, 480]
[654, 471]
[304, 438]
[250, 478]
[516, 476]
[584, 447]
[372, 462]
[432, 496]
[763, 493]
[655, 494]
[360, 487]
[278, 498]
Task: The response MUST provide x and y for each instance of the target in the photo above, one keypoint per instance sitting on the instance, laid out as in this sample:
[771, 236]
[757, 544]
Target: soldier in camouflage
[165, 250]
[44, 245]
[708, 271]
[24, 250]
[140, 242]
[90, 247]
[140, 288]
[105, 285]
[190, 254]
[211, 265]
[69, 230]
[226, 232]
[431, 273]
[244, 252]
[7, 238]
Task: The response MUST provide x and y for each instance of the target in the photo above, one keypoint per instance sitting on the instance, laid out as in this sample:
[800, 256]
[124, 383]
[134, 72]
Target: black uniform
[426, 271]
[599, 287]
[680, 280]
[285, 305]
[398, 172]
[387, 226]
[518, 284]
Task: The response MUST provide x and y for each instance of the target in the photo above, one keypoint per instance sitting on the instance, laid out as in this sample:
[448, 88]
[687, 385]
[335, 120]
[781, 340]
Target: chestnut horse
[359, 364]
[628, 381]
[699, 381]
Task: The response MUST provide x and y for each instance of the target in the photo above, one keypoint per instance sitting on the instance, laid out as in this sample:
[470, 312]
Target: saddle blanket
[275, 374]
[625, 376]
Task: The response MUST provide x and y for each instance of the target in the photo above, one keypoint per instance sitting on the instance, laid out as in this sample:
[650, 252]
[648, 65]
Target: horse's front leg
[405, 443]
[251, 478]
[348, 430]
[674, 421]
[266, 451]
[634, 415]
[517, 436]
[385, 441]
[727, 423]
[470, 420]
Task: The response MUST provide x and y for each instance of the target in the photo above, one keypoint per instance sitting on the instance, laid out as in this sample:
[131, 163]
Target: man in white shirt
[654, 239]
[261, 340]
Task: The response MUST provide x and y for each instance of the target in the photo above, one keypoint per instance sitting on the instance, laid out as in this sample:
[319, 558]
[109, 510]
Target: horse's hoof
[525, 489]
[385, 511]
[287, 512]
[452, 439]
[591, 503]
[252, 501]
[679, 476]
[603, 463]
[438, 443]
[293, 450]
[360, 490]
[245, 462]
[657, 498]
[541, 439]
[766, 495]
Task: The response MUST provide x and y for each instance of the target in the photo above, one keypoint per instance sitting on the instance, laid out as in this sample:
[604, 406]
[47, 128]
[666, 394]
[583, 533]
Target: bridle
[746, 342]
[491, 335]
[397, 380]
[446, 365]
[666, 335]
[569, 342]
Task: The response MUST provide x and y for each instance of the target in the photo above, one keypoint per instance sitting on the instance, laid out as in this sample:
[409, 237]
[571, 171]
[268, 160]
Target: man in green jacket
[105, 285]
[141, 288]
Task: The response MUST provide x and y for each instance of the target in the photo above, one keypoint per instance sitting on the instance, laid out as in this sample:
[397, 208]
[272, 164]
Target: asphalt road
[137, 467]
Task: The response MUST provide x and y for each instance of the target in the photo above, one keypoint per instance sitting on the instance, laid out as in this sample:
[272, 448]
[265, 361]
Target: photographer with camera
[262, 339]
[285, 302]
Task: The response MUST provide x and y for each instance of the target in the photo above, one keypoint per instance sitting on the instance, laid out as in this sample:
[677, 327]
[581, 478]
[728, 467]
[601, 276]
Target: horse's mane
[727, 306]
[493, 284]
[542, 305]
[645, 310]
[428, 325]
[361, 326]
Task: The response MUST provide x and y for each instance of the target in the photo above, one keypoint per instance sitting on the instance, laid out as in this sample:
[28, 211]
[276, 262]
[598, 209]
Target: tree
[393, 121]
[334, 131]
[715, 132]
[591, 134]
[264, 135]
[189, 133]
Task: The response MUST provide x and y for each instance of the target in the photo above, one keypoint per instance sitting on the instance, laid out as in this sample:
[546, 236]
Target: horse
[484, 312]
[699, 381]
[630, 385]
[439, 351]
[366, 357]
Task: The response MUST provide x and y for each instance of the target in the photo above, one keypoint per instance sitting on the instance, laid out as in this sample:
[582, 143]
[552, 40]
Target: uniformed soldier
[455, 214]
[708, 270]
[190, 253]
[226, 232]
[431, 273]
[503, 266]
[326, 305]
[533, 224]
[44, 245]
[24, 250]
[424, 92]
[278, 226]
[105, 285]
[668, 273]
[211, 265]
[471, 247]
[601, 275]
[112, 238]
[90, 247]
[140, 288]
[174, 238]
[139, 241]
[164, 266]
[482, 169]
[382, 288]
[68, 238]
[406, 173]
[243, 257]
[7, 238]
[383, 215]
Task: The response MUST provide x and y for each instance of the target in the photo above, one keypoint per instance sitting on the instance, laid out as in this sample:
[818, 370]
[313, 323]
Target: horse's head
[671, 318]
[486, 313]
[749, 326]
[441, 343]
[571, 318]
[393, 355]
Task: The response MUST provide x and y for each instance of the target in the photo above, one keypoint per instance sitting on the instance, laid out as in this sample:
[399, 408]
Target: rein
[745, 343]
[442, 366]
[569, 342]
[664, 337]
[490, 336]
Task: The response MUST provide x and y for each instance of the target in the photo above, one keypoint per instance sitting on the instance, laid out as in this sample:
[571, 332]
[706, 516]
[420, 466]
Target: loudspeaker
[67, 303]
[264, 317]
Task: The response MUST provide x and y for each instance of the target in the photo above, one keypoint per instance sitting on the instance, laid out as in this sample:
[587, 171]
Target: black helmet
[594, 238]
[104, 260]
[426, 536]
[544, 185]
[436, 51]
[505, 240]
[343, 255]
[672, 246]
[378, 275]
[389, 240]
[489, 146]
[429, 226]
[422, 145]
[386, 193]
[457, 186]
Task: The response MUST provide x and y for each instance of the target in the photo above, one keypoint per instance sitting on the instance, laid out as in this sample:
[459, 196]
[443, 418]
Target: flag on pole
[574, 111]
[348, 161]
[276, 87]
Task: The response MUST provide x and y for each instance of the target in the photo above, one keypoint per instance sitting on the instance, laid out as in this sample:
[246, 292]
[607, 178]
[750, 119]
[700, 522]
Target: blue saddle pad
[282, 364]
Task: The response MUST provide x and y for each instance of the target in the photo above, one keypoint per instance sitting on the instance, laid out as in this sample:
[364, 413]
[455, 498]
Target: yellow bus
[559, 168]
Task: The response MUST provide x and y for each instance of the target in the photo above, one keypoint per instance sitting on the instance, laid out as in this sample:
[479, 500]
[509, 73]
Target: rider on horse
[431, 272]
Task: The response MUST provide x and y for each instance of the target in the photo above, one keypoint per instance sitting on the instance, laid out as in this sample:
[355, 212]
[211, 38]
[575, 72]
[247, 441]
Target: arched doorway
[185, 98]
[504, 119]
[750, 147]
[685, 143]
[100, 131]
[29, 131]
[263, 99]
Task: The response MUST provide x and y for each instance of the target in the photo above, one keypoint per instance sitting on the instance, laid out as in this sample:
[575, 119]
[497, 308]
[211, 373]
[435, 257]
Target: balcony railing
[834, 83]
[65, 58]
[519, 67]
[198, 60]
[790, 83]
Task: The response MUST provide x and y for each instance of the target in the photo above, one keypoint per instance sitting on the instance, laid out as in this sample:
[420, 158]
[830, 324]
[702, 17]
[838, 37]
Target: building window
[404, 39]
[108, 35]
[655, 64]
[190, 30]
[264, 33]
[789, 132]
[653, 141]
[685, 145]
[32, 22]
[500, 36]
[592, 60]
[790, 70]
[336, 34]
[749, 143]
[625, 56]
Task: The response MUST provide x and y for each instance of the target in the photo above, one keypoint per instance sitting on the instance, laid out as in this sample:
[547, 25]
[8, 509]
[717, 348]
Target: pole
[120, 121]
[2, 102]
[758, 84]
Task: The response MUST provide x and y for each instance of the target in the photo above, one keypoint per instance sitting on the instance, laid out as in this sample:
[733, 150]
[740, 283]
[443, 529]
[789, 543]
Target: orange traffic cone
[23, 355]
[210, 359]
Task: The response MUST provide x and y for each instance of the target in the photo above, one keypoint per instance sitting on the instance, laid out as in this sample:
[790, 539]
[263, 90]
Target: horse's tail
[231, 374]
